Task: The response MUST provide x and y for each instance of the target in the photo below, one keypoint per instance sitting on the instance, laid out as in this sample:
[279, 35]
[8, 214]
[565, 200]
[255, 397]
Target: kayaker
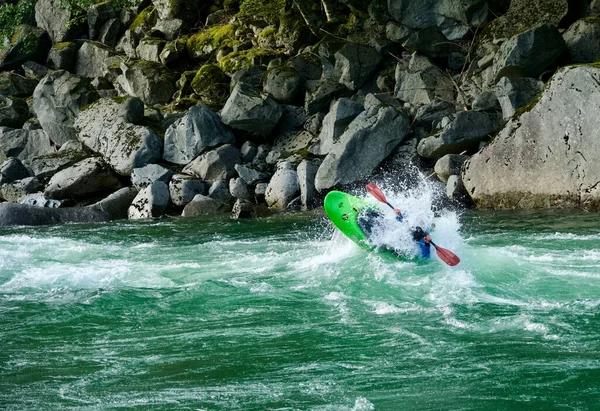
[420, 236]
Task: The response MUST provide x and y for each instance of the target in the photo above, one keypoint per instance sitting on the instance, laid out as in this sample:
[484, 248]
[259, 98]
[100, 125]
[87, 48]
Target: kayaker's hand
[427, 239]
[397, 211]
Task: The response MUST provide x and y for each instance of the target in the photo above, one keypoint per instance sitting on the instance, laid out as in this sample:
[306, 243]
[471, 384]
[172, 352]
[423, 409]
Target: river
[284, 313]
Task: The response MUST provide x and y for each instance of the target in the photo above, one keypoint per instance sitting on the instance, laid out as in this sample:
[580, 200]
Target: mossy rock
[203, 44]
[26, 43]
[144, 21]
[238, 60]
[211, 84]
[262, 12]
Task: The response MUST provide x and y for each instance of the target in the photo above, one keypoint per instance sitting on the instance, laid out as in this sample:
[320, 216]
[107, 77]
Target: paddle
[445, 255]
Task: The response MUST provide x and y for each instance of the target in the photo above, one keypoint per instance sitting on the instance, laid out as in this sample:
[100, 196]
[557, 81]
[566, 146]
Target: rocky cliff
[142, 108]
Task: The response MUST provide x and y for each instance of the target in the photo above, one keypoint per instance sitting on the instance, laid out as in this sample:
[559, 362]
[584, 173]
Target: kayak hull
[343, 209]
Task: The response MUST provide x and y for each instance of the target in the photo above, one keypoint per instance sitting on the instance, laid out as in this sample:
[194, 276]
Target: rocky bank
[139, 109]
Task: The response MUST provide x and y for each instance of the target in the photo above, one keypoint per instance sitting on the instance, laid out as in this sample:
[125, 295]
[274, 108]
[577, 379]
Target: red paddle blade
[446, 256]
[376, 192]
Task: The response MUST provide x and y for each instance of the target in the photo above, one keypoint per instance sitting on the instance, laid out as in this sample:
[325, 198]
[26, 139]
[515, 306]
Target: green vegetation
[211, 83]
[212, 39]
[13, 15]
[267, 11]
[143, 18]
[242, 59]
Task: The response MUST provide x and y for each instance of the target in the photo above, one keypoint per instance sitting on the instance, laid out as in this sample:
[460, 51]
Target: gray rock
[251, 77]
[109, 32]
[13, 191]
[170, 28]
[307, 170]
[547, 155]
[103, 128]
[215, 165]
[152, 82]
[219, 190]
[341, 114]
[284, 84]
[260, 192]
[55, 19]
[26, 44]
[144, 176]
[128, 44]
[430, 42]
[57, 101]
[14, 111]
[464, 132]
[250, 175]
[583, 40]
[63, 56]
[203, 205]
[356, 63]
[38, 144]
[91, 59]
[39, 200]
[12, 170]
[27, 215]
[248, 151]
[13, 84]
[487, 101]
[430, 115]
[151, 201]
[397, 33]
[23, 144]
[449, 165]
[242, 209]
[283, 187]
[307, 65]
[423, 83]
[530, 53]
[35, 71]
[240, 190]
[116, 205]
[514, 93]
[248, 111]
[320, 93]
[184, 188]
[149, 48]
[199, 130]
[455, 190]
[368, 140]
[45, 166]
[85, 178]
[379, 99]
[98, 15]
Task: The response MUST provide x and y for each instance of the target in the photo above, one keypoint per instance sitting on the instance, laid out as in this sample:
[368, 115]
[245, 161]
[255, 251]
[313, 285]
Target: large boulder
[56, 18]
[307, 170]
[514, 93]
[105, 127]
[63, 56]
[464, 132]
[46, 165]
[422, 83]
[27, 43]
[320, 93]
[215, 165]
[184, 188]
[144, 176]
[152, 82]
[355, 63]
[12, 170]
[15, 190]
[368, 140]
[199, 130]
[13, 84]
[92, 58]
[284, 84]
[85, 178]
[151, 201]
[116, 205]
[250, 175]
[203, 205]
[23, 144]
[546, 156]
[449, 165]
[283, 187]
[530, 53]
[583, 40]
[22, 214]
[57, 101]
[248, 111]
[14, 111]
[341, 114]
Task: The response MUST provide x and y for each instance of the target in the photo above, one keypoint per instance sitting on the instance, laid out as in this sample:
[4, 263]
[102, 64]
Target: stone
[582, 40]
[14, 111]
[219, 190]
[203, 205]
[547, 153]
[28, 215]
[367, 141]
[55, 19]
[430, 115]
[26, 44]
[83, 179]
[184, 188]
[215, 165]
[39, 200]
[63, 56]
[487, 101]
[448, 165]
[242, 209]
[430, 42]
[455, 190]
[423, 83]
[260, 192]
[58, 100]
[341, 114]
[240, 190]
[356, 63]
[283, 187]
[98, 15]
[284, 84]
[46, 165]
[514, 93]
[13, 191]
[320, 93]
[91, 59]
[128, 44]
[109, 32]
[397, 33]
[306, 171]
[248, 151]
[150, 81]
[151, 201]
[116, 205]
[198, 131]
[13, 84]
[149, 48]
[12, 170]
[144, 176]
[250, 175]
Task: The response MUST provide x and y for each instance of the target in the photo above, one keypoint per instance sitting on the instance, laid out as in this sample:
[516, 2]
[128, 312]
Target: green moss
[211, 84]
[212, 39]
[143, 19]
[242, 59]
[257, 11]
[63, 45]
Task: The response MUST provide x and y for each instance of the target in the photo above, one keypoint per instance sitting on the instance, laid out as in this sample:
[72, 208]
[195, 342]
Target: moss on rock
[211, 84]
[262, 12]
[238, 60]
[204, 43]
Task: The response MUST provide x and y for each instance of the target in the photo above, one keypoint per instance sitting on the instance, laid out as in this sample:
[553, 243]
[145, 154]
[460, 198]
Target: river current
[284, 313]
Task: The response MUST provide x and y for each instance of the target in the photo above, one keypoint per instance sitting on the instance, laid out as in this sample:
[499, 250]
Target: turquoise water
[283, 313]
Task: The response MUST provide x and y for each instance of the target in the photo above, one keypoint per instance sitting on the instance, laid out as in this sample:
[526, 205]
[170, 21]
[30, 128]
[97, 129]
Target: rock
[250, 175]
[22, 214]
[144, 176]
[260, 192]
[283, 187]
[199, 130]
[284, 84]
[23, 144]
[13, 191]
[514, 93]
[45, 166]
[367, 141]
[453, 18]
[56, 20]
[397, 33]
[430, 42]
[12, 170]
[13, 84]
[172, 51]
[39, 200]
[219, 190]
[248, 111]
[169, 28]
[251, 77]
[215, 165]
[203, 205]
[487, 101]
[546, 155]
[320, 93]
[151, 201]
[307, 170]
[430, 115]
[211, 84]
[530, 53]
[103, 128]
[63, 56]
[341, 114]
[33, 70]
[91, 59]
[152, 82]
[57, 101]
[109, 33]
[128, 44]
[98, 15]
[248, 151]
[582, 40]
[184, 188]
[455, 190]
[14, 111]
[423, 83]
[378, 99]
[356, 63]
[240, 190]
[83, 179]
[448, 165]
[26, 44]
[116, 205]
[242, 209]
[464, 132]
[149, 48]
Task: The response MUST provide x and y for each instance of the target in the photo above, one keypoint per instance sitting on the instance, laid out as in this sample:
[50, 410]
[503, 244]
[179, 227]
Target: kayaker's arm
[399, 217]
